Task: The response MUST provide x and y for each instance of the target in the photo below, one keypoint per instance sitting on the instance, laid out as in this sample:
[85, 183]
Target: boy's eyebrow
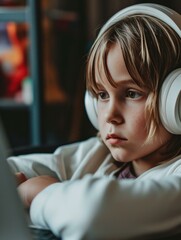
[99, 85]
[126, 81]
[122, 82]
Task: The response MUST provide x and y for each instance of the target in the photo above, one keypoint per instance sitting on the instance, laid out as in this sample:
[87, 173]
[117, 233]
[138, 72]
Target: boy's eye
[133, 94]
[103, 95]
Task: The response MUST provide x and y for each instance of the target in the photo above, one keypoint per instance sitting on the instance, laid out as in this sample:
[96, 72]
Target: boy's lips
[115, 139]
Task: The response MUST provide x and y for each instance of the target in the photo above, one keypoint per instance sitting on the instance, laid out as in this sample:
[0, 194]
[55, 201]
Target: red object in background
[14, 80]
[16, 57]
[10, 3]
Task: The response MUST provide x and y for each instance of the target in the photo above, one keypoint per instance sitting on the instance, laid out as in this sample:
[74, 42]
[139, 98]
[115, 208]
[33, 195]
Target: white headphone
[170, 93]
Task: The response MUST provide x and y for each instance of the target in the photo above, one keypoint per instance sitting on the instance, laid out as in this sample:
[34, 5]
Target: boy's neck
[144, 164]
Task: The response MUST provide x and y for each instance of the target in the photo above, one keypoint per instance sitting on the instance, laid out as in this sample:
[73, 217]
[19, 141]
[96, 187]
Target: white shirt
[90, 203]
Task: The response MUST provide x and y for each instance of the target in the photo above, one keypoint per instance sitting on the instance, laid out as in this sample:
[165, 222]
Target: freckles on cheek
[100, 117]
[142, 133]
[139, 125]
[102, 126]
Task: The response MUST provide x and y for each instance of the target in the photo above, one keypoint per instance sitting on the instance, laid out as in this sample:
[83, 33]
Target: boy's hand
[20, 178]
[31, 187]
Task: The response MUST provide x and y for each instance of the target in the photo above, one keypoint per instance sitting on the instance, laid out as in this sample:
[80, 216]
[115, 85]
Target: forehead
[116, 64]
[112, 69]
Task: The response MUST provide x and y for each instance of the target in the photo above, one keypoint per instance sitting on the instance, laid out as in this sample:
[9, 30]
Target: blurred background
[43, 50]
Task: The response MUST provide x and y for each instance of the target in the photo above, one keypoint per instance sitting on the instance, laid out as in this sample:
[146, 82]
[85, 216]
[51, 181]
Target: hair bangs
[97, 71]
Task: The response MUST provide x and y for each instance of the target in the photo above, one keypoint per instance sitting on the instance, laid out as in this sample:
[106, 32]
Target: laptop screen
[13, 224]
[13, 220]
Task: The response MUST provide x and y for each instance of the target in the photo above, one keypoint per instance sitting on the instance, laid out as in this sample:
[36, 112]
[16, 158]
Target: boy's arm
[29, 188]
[68, 161]
[110, 209]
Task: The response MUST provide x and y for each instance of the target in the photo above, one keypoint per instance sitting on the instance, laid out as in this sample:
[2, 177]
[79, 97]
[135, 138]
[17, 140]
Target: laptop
[13, 219]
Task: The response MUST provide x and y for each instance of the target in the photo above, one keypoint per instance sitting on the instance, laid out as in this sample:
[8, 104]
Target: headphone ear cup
[170, 102]
[91, 108]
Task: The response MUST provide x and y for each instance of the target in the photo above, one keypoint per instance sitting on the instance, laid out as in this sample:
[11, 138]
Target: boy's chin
[119, 156]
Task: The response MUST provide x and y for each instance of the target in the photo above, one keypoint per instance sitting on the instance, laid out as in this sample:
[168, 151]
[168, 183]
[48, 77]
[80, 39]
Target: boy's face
[121, 117]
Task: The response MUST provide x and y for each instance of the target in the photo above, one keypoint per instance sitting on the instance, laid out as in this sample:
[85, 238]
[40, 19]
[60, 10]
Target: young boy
[126, 183]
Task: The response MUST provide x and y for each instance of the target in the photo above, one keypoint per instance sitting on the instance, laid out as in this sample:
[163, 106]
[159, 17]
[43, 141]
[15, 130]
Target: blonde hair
[151, 50]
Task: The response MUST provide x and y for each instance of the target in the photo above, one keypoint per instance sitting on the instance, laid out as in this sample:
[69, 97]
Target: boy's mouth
[115, 139]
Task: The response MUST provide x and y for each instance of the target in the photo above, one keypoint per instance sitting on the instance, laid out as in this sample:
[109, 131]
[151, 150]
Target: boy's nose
[114, 114]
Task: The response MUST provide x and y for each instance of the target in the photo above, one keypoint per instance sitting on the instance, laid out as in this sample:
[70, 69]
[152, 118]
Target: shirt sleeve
[67, 162]
[33, 164]
[107, 208]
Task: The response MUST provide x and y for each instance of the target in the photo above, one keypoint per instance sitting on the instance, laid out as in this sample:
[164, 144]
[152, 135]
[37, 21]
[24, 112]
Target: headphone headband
[163, 13]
